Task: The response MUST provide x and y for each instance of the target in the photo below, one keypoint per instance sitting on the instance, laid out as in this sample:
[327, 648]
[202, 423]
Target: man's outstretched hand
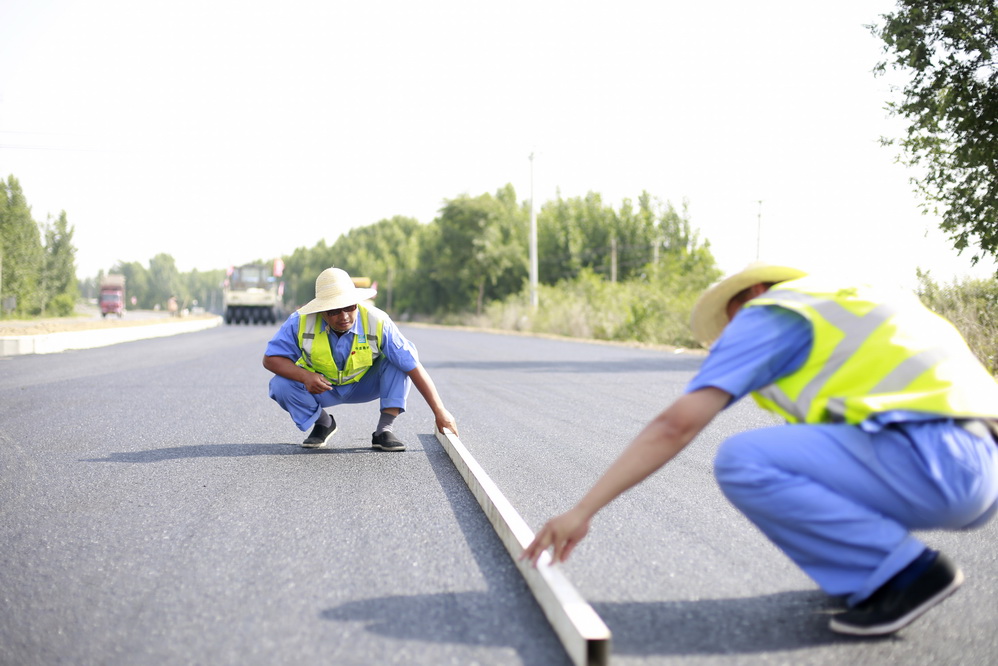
[562, 533]
[445, 420]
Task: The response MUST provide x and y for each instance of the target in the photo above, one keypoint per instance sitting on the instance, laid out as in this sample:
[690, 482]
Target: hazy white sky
[224, 131]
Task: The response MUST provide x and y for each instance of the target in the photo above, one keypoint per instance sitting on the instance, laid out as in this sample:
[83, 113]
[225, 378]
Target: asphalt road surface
[155, 508]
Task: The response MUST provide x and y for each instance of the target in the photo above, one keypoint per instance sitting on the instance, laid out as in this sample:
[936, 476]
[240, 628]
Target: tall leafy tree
[946, 49]
[202, 289]
[22, 253]
[301, 269]
[59, 276]
[509, 258]
[680, 250]
[560, 243]
[452, 262]
[586, 233]
[388, 253]
[481, 250]
[636, 236]
[164, 279]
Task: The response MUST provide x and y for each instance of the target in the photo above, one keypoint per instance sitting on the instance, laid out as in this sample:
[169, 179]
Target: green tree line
[468, 262]
[149, 287]
[474, 259]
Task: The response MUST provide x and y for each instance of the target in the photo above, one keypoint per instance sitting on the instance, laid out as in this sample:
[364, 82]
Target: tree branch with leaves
[946, 50]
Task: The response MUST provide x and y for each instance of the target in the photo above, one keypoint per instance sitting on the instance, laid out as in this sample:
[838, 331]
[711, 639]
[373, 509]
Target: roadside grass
[649, 310]
[657, 311]
[972, 306]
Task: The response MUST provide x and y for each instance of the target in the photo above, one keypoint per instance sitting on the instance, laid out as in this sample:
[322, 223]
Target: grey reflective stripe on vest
[372, 335]
[857, 329]
[309, 336]
[909, 370]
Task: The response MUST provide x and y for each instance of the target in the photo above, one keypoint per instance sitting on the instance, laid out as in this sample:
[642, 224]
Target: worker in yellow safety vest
[891, 421]
[339, 349]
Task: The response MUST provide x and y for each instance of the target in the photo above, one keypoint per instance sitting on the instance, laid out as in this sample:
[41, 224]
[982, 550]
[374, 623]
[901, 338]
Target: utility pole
[758, 231]
[533, 239]
[613, 259]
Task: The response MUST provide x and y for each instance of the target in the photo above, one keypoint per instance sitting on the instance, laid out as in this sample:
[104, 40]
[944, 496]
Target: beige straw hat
[710, 314]
[334, 289]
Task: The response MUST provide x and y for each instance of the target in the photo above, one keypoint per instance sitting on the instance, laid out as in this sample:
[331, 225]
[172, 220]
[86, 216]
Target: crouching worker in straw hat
[890, 419]
[334, 351]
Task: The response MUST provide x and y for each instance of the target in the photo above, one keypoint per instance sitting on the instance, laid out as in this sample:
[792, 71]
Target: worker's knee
[282, 387]
[734, 454]
[741, 467]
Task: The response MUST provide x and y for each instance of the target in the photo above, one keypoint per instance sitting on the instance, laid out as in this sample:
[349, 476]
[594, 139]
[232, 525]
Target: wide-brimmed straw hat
[710, 314]
[334, 289]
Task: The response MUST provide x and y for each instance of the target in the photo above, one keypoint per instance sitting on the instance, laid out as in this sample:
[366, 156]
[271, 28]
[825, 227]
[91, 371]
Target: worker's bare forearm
[424, 384]
[285, 367]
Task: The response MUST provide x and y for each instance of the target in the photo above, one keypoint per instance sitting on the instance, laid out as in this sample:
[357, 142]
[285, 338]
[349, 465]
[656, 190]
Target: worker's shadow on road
[222, 451]
[503, 616]
[752, 625]
[483, 619]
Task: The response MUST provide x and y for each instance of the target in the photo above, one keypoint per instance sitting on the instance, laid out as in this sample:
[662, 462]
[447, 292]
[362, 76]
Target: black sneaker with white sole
[320, 435]
[892, 608]
[386, 441]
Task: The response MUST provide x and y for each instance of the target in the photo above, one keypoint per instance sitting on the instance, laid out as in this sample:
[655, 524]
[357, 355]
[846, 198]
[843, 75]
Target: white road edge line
[583, 634]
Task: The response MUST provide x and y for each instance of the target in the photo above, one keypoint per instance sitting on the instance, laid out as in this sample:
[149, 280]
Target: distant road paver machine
[252, 294]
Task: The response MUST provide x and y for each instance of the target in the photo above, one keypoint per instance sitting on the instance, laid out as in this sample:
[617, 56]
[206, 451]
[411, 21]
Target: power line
[4, 146]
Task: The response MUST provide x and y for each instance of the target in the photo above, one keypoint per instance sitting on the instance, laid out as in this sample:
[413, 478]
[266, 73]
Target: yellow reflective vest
[872, 354]
[317, 352]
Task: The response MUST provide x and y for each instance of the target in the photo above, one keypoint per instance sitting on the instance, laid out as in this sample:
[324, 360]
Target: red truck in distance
[112, 295]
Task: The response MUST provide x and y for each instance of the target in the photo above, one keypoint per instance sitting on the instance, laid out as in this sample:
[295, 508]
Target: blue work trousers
[384, 381]
[841, 502]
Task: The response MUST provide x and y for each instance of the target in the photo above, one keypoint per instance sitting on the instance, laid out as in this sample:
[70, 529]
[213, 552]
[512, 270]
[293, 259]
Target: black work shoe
[320, 435]
[386, 441]
[889, 609]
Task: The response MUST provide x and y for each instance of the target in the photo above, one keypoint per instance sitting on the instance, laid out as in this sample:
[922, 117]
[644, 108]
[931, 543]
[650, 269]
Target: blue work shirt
[396, 349]
[762, 344]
